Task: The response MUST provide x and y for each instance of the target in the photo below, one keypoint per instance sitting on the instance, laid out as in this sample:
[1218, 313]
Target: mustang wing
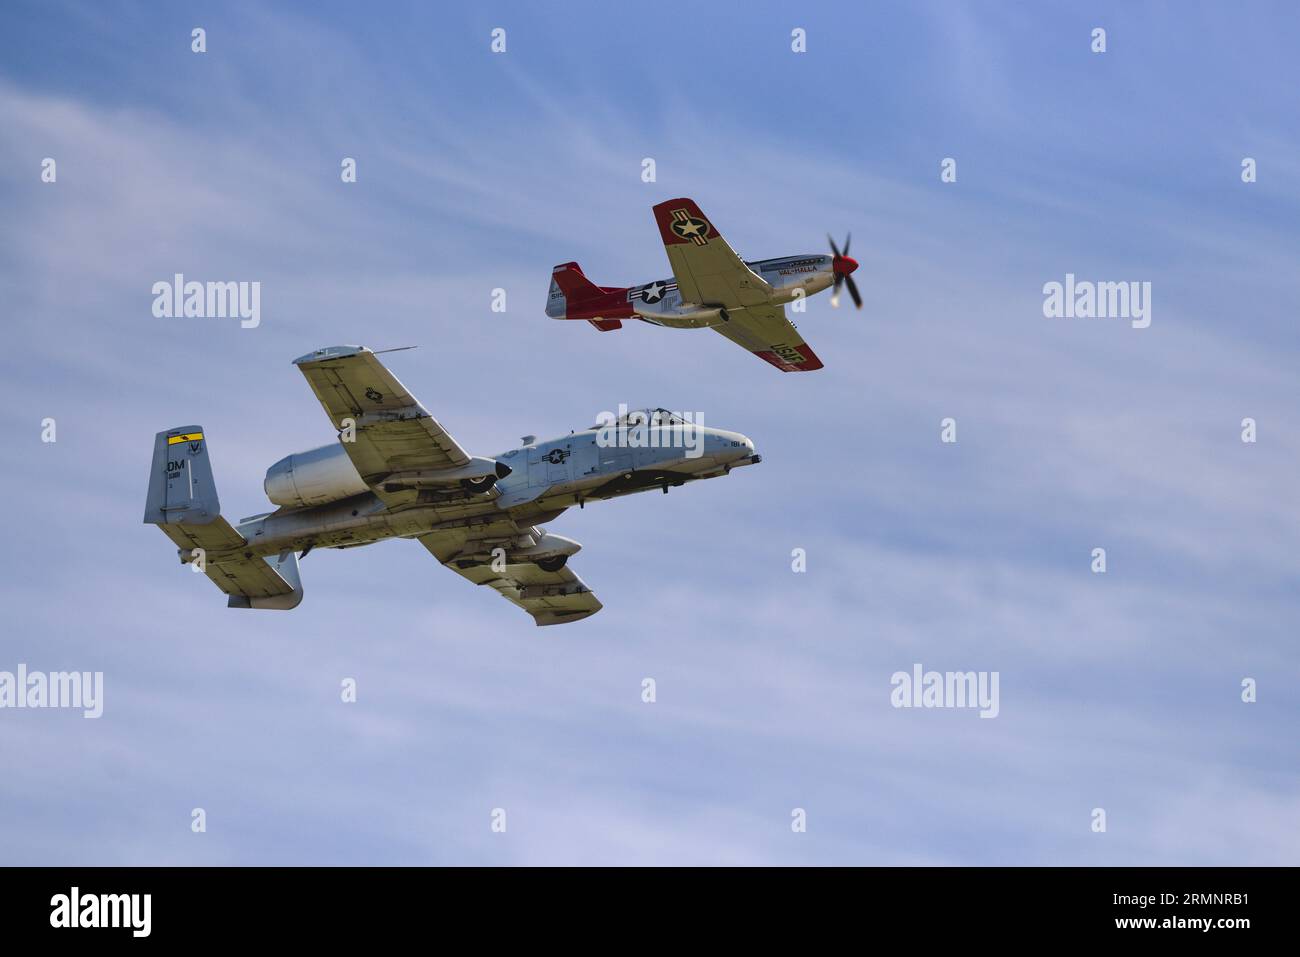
[766, 332]
[708, 271]
[394, 433]
[552, 598]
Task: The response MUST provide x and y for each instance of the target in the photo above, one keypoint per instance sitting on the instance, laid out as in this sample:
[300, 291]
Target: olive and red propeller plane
[712, 287]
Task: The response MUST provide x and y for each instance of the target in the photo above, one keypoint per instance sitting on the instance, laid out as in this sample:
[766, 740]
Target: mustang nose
[843, 265]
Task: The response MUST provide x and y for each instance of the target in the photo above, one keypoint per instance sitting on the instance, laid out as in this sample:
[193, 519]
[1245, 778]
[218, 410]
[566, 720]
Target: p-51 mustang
[402, 476]
[712, 286]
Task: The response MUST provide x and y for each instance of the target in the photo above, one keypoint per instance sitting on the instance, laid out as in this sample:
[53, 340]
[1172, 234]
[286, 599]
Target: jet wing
[707, 270]
[766, 332]
[248, 581]
[394, 433]
[552, 598]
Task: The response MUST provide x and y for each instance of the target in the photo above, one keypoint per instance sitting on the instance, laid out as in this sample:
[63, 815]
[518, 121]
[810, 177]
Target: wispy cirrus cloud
[1119, 690]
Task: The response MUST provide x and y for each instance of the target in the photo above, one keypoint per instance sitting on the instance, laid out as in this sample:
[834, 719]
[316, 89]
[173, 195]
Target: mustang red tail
[574, 296]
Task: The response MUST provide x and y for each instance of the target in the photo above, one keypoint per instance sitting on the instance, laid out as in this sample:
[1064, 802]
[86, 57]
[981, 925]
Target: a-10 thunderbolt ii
[712, 287]
[396, 473]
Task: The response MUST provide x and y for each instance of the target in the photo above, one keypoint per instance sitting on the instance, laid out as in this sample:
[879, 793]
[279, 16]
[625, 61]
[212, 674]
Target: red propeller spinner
[843, 266]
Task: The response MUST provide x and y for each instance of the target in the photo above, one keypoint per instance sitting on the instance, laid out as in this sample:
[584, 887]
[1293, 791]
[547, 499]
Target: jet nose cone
[844, 265]
[729, 446]
[745, 454]
[743, 447]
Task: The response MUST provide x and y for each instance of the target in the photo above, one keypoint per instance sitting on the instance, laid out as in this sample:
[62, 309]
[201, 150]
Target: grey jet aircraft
[396, 473]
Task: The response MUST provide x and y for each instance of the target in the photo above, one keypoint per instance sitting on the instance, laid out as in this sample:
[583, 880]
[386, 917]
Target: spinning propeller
[843, 267]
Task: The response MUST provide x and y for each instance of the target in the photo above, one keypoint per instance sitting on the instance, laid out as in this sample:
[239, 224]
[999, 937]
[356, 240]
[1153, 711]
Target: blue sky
[478, 171]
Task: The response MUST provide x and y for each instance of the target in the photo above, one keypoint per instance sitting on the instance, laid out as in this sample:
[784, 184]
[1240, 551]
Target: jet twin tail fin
[182, 501]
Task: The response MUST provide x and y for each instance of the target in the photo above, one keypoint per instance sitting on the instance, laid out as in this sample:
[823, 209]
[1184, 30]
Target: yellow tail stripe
[177, 439]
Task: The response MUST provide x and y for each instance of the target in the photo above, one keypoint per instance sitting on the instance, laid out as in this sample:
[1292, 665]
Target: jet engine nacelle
[314, 477]
[324, 475]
